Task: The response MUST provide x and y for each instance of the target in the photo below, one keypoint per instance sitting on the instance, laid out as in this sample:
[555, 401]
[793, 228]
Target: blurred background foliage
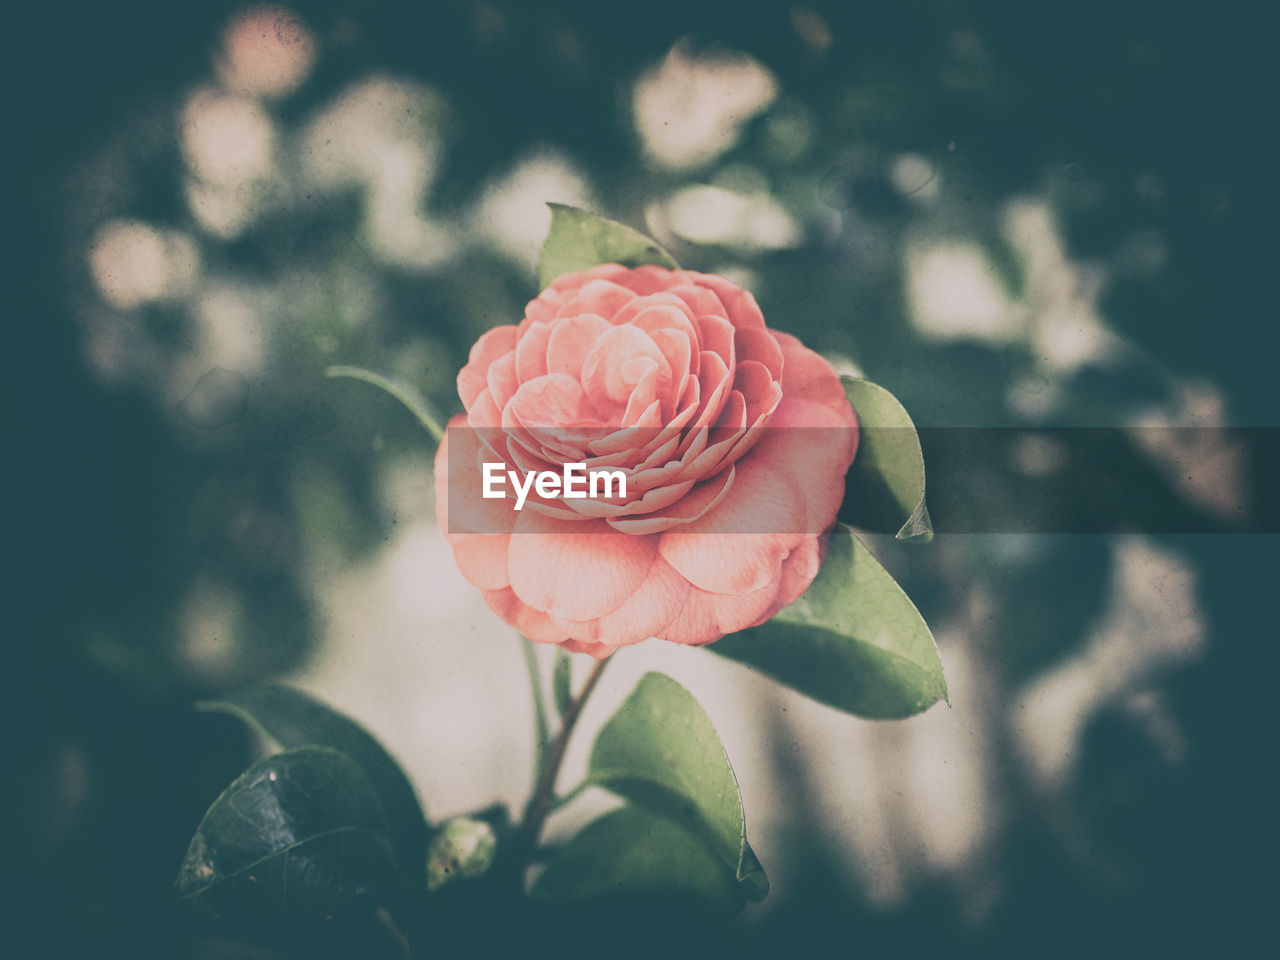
[1009, 214]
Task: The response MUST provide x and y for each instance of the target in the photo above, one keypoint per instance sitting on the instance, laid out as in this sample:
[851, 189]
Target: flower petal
[649, 279]
[483, 413]
[706, 616]
[617, 362]
[714, 380]
[600, 297]
[571, 341]
[534, 624]
[817, 444]
[702, 301]
[531, 351]
[716, 335]
[798, 571]
[501, 379]
[653, 605]
[760, 346]
[482, 558]
[741, 305]
[740, 545]
[597, 650]
[492, 346]
[760, 390]
[806, 375]
[698, 501]
[551, 400]
[576, 570]
[461, 507]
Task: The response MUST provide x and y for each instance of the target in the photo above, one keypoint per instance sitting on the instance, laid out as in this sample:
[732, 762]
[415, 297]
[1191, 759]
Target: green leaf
[561, 678]
[885, 487]
[579, 240]
[286, 718]
[853, 640]
[633, 852]
[660, 751]
[299, 835]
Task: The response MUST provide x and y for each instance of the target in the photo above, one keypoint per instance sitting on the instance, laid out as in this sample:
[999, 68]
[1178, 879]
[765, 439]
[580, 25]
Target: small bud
[463, 848]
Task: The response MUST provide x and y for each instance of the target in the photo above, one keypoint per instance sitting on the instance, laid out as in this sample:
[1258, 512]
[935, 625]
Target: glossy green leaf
[634, 851]
[300, 835]
[884, 491]
[579, 240]
[561, 680]
[853, 640]
[286, 718]
[660, 751]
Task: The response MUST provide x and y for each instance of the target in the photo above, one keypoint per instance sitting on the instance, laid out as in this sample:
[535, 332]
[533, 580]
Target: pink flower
[734, 440]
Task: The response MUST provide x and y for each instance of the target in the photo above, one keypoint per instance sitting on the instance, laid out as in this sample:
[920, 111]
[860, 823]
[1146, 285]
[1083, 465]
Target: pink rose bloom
[734, 440]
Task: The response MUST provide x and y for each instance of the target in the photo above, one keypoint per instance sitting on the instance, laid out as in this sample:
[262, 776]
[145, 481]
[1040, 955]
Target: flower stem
[402, 392]
[535, 814]
[541, 731]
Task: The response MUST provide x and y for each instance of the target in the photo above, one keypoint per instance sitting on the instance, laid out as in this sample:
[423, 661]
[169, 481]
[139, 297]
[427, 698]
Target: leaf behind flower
[884, 490]
[578, 240]
[854, 640]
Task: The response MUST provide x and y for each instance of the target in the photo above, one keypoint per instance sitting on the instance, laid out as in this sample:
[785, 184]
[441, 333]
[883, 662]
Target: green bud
[463, 848]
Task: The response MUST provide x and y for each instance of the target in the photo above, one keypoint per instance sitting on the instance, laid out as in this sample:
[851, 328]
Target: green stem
[543, 733]
[404, 394]
[535, 814]
[395, 937]
[568, 798]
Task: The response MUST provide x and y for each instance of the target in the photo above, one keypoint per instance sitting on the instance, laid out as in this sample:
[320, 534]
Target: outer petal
[492, 346]
[460, 506]
[798, 572]
[709, 616]
[577, 570]
[534, 624]
[741, 305]
[531, 351]
[740, 545]
[806, 375]
[701, 300]
[501, 379]
[761, 346]
[815, 446]
[657, 601]
[482, 558]
[650, 279]
[461, 511]
[597, 650]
